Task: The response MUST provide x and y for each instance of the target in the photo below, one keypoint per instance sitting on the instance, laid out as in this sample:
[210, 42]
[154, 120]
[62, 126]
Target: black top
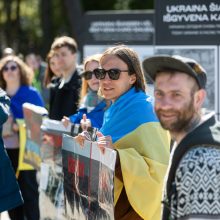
[64, 101]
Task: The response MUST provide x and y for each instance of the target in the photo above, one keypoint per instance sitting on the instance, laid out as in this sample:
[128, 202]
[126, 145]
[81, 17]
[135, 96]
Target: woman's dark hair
[130, 57]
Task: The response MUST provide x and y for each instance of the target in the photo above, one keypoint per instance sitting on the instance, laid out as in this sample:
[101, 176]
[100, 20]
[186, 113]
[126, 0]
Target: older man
[193, 182]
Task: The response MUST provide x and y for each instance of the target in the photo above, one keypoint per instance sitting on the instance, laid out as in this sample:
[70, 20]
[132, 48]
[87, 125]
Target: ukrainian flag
[143, 149]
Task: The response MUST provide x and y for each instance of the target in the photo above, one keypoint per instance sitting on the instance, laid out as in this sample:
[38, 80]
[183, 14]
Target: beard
[182, 120]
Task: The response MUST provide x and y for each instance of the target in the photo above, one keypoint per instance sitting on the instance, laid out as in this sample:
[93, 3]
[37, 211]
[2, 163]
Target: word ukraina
[192, 8]
[192, 13]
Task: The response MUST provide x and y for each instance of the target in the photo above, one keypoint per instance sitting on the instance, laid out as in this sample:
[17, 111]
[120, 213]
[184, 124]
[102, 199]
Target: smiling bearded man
[192, 184]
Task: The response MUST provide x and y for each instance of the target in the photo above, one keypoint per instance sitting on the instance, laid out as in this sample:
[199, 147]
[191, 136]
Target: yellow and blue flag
[143, 149]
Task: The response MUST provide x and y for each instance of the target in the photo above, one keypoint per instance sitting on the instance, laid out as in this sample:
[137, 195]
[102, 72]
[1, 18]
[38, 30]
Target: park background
[186, 27]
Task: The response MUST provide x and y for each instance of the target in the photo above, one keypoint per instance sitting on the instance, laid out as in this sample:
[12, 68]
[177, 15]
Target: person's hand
[104, 141]
[85, 123]
[80, 138]
[65, 121]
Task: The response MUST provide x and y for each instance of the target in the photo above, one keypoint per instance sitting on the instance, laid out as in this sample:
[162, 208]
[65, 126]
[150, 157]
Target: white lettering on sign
[185, 17]
[215, 17]
[121, 26]
[214, 7]
[186, 8]
[192, 19]
[192, 13]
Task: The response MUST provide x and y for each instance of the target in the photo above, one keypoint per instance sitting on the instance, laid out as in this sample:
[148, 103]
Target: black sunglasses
[12, 68]
[87, 75]
[113, 74]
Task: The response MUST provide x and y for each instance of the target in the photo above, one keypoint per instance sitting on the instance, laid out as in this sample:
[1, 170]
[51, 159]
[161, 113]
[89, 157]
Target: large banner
[191, 28]
[107, 28]
[33, 116]
[88, 180]
[51, 179]
[51, 197]
[51, 147]
[187, 22]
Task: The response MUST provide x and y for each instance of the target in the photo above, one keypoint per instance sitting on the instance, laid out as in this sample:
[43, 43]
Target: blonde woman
[91, 103]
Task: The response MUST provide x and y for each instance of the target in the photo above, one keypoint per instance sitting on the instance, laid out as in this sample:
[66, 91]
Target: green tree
[31, 25]
[20, 24]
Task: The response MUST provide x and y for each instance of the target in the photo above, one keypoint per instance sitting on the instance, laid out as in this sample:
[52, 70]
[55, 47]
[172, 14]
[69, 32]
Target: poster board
[33, 117]
[187, 22]
[88, 180]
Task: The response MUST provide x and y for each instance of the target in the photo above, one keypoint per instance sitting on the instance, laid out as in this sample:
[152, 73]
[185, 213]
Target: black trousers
[29, 188]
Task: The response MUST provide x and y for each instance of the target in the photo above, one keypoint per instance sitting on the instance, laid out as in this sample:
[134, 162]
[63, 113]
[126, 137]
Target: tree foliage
[31, 25]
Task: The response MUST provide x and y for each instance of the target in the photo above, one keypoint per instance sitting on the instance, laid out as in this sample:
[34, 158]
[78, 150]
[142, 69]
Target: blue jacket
[96, 115]
[24, 94]
[10, 196]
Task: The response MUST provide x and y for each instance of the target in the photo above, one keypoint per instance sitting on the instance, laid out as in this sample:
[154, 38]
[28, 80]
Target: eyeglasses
[87, 75]
[113, 74]
[12, 68]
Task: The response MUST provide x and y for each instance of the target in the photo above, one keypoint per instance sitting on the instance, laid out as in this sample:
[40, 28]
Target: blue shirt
[24, 94]
[96, 115]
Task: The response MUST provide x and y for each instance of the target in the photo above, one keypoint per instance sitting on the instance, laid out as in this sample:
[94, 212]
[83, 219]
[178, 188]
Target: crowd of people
[168, 155]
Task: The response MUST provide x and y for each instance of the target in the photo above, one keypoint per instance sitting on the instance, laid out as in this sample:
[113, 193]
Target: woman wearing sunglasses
[16, 78]
[91, 103]
[132, 129]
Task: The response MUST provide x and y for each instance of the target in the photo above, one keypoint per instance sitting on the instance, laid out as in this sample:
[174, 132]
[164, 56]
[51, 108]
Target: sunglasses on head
[113, 74]
[87, 75]
[12, 68]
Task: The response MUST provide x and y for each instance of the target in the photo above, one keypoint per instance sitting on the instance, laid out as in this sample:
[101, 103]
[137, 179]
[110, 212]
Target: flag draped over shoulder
[143, 149]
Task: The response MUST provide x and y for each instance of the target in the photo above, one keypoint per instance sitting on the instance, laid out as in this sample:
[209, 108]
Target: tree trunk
[8, 24]
[17, 27]
[46, 22]
[76, 18]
